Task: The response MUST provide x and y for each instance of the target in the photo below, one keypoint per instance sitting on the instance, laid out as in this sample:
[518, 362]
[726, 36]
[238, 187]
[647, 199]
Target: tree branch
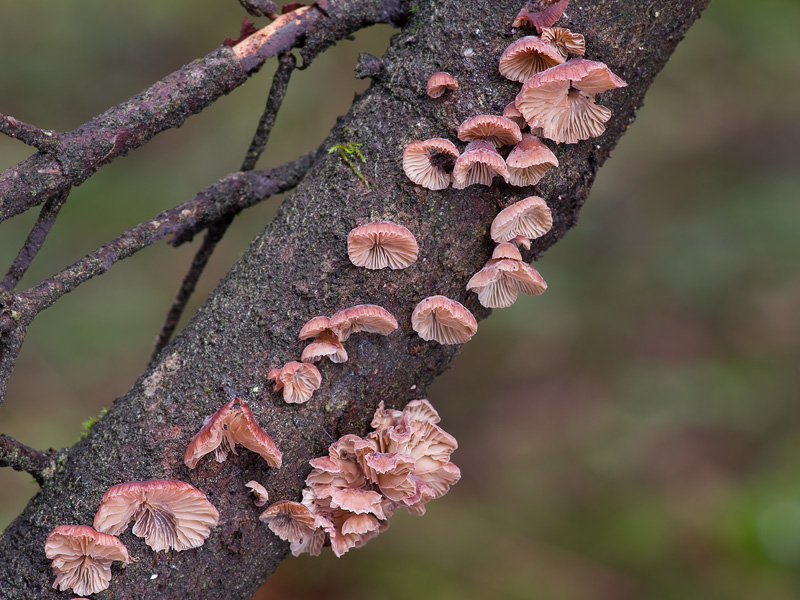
[298, 268]
[168, 103]
[43, 140]
[24, 458]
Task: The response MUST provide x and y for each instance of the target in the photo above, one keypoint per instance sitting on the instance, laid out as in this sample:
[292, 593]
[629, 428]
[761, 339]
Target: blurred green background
[632, 433]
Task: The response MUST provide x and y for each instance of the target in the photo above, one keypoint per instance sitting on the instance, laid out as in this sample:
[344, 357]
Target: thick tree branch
[24, 458]
[168, 103]
[298, 268]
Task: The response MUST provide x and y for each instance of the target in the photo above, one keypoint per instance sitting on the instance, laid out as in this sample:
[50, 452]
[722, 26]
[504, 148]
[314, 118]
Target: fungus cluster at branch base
[352, 492]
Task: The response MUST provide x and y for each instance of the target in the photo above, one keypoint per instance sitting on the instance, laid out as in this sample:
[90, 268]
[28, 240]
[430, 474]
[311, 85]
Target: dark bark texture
[298, 268]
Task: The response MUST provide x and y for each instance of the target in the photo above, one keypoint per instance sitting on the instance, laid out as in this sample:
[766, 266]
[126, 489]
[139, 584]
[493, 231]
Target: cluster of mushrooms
[405, 462]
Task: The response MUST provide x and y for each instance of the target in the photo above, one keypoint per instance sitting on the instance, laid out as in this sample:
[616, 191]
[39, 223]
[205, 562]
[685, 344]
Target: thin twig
[34, 241]
[277, 92]
[24, 458]
[44, 140]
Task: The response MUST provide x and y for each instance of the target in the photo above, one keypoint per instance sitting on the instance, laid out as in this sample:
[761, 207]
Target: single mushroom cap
[168, 513]
[429, 163]
[527, 56]
[443, 320]
[529, 161]
[326, 344]
[479, 164]
[232, 424]
[511, 112]
[541, 18]
[530, 218]
[561, 100]
[440, 82]
[521, 242]
[564, 41]
[82, 558]
[259, 491]
[314, 327]
[364, 317]
[498, 283]
[382, 244]
[289, 520]
[499, 131]
[506, 250]
[298, 380]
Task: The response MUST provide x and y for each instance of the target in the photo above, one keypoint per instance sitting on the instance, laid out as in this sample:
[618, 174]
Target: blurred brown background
[632, 433]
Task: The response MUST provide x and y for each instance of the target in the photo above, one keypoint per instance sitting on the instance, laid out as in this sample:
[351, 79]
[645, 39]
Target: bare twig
[44, 140]
[187, 91]
[24, 458]
[34, 242]
[216, 231]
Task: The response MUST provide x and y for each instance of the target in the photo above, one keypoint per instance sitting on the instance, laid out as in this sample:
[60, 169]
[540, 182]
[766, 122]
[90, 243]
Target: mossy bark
[298, 268]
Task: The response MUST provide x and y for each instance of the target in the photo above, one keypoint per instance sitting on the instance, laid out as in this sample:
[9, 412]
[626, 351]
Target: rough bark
[298, 268]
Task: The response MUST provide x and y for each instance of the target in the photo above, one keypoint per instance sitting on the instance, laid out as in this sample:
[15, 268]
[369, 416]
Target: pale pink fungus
[232, 424]
[564, 41]
[530, 218]
[443, 320]
[168, 513]
[439, 83]
[529, 161]
[289, 520]
[541, 18]
[369, 318]
[527, 56]
[429, 163]
[479, 164]
[298, 381]
[259, 491]
[497, 130]
[382, 244]
[82, 558]
[511, 112]
[498, 283]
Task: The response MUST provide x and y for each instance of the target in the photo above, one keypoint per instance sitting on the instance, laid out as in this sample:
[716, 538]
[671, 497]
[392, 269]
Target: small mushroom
[527, 56]
[511, 112]
[443, 320]
[168, 513]
[429, 163]
[259, 491]
[289, 520]
[298, 380]
[499, 131]
[82, 558]
[530, 218]
[479, 164]
[541, 18]
[382, 244]
[529, 161]
[314, 327]
[232, 424]
[326, 344]
[498, 283]
[363, 317]
[439, 83]
[561, 100]
[564, 41]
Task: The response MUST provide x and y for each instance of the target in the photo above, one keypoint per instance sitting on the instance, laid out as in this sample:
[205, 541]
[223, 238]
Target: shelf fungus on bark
[167, 513]
[530, 218]
[443, 320]
[382, 244]
[479, 164]
[528, 56]
[504, 276]
[529, 161]
[565, 41]
[498, 131]
[298, 381]
[259, 491]
[232, 424]
[439, 83]
[540, 19]
[329, 333]
[82, 558]
[429, 163]
[561, 100]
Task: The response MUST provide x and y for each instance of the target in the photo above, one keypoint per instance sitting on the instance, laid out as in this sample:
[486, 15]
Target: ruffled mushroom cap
[498, 131]
[520, 241]
[529, 161]
[82, 558]
[168, 513]
[259, 491]
[298, 380]
[382, 244]
[479, 164]
[232, 424]
[541, 18]
[561, 100]
[510, 112]
[498, 283]
[314, 327]
[364, 317]
[440, 82]
[530, 218]
[429, 163]
[564, 41]
[325, 345]
[290, 521]
[527, 56]
[443, 320]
